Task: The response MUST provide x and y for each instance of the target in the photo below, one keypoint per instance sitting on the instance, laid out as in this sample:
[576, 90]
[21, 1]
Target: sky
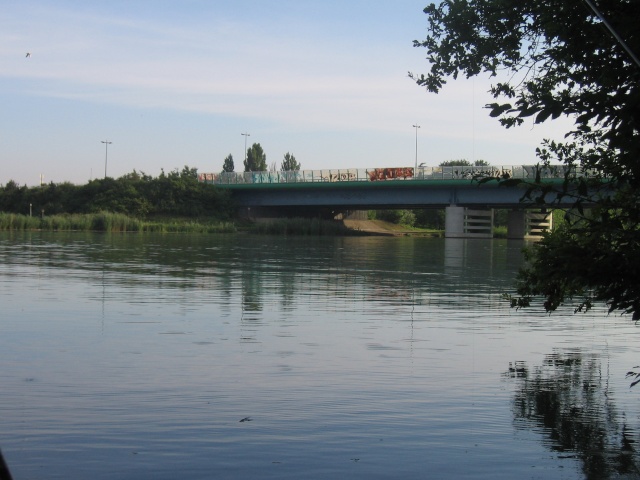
[175, 83]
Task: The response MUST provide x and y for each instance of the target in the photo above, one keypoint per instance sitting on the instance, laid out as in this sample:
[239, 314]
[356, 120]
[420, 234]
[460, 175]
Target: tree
[177, 193]
[256, 159]
[228, 165]
[13, 198]
[464, 163]
[553, 58]
[289, 163]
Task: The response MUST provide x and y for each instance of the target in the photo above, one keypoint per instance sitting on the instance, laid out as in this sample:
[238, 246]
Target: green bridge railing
[384, 174]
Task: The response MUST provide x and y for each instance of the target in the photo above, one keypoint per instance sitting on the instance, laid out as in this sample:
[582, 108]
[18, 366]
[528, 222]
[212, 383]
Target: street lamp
[245, 135]
[415, 171]
[106, 152]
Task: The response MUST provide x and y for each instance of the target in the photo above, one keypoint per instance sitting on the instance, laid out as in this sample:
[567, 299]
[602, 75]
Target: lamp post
[415, 171]
[106, 152]
[245, 135]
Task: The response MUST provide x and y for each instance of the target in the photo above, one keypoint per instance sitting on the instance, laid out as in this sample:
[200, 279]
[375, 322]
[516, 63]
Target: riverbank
[382, 228]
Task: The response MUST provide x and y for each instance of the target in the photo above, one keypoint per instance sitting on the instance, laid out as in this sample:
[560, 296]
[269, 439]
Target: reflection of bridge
[469, 205]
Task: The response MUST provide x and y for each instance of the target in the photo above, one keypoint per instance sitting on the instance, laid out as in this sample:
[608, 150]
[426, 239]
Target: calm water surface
[253, 357]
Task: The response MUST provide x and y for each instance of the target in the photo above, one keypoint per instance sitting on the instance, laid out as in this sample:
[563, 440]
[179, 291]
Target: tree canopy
[551, 58]
[175, 193]
[464, 163]
[289, 163]
[256, 159]
[228, 165]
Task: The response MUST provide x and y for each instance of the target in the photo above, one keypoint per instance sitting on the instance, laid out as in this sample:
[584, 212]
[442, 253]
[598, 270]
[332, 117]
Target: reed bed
[107, 222]
[11, 221]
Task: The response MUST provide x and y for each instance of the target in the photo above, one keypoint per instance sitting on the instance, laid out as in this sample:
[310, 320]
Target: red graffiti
[207, 177]
[390, 173]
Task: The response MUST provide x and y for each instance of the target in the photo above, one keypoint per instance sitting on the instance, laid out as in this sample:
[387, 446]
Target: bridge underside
[380, 195]
[468, 205]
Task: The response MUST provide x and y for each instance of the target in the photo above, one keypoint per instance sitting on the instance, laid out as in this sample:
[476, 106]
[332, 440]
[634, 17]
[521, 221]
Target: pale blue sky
[174, 83]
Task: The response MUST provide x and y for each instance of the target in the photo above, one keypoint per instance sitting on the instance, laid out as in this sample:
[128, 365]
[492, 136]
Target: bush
[178, 193]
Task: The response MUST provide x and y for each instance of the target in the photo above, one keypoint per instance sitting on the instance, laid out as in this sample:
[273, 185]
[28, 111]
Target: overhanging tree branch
[620, 40]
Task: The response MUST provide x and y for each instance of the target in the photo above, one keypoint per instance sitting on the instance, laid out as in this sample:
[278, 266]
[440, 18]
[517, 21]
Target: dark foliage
[177, 193]
[228, 165]
[289, 163]
[256, 159]
[553, 58]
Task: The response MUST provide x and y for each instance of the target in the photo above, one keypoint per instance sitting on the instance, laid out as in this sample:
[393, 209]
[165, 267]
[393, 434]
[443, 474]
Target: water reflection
[403, 271]
[385, 350]
[568, 399]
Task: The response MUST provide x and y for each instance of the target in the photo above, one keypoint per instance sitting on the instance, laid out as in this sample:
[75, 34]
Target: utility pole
[245, 146]
[106, 153]
[415, 171]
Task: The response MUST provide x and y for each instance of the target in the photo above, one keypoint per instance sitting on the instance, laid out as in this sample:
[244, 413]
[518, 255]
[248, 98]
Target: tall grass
[500, 231]
[12, 221]
[107, 222]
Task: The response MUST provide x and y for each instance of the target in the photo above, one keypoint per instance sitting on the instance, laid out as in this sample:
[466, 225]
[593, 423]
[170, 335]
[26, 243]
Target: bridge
[469, 205]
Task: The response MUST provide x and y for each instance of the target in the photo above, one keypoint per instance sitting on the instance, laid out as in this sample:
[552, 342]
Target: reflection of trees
[287, 291]
[568, 396]
[251, 291]
[395, 270]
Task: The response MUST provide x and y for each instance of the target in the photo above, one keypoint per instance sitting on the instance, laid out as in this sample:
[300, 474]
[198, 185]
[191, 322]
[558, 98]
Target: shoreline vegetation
[120, 223]
[110, 222]
[176, 202]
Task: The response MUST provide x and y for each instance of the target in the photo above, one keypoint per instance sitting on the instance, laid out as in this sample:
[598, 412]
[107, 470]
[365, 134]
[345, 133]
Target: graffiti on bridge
[484, 172]
[390, 173]
[339, 177]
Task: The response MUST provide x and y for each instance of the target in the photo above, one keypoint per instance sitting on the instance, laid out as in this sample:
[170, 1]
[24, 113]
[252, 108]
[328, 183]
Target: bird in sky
[28, 55]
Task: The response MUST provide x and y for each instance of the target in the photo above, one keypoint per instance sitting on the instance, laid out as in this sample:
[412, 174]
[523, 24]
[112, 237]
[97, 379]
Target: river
[264, 357]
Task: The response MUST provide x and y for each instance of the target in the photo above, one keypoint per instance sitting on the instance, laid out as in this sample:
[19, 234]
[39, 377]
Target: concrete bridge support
[528, 224]
[462, 222]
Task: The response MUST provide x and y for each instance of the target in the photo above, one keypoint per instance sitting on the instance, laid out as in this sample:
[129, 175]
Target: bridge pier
[462, 222]
[528, 224]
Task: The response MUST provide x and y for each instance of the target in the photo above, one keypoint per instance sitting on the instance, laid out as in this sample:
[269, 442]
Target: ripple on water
[352, 358]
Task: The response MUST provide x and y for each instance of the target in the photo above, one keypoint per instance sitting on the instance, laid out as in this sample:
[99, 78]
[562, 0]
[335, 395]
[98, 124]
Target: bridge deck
[380, 176]
[380, 188]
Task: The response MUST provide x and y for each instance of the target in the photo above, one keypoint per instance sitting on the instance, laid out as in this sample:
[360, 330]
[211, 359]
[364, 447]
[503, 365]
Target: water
[237, 356]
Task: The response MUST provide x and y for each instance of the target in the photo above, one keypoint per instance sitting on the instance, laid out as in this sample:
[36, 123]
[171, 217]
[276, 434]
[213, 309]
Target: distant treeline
[136, 194]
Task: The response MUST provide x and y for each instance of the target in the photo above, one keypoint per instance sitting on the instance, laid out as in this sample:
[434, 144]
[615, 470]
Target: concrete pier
[528, 224]
[462, 222]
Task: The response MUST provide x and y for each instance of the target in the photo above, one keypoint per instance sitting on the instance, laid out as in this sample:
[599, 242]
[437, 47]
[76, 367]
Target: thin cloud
[296, 75]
